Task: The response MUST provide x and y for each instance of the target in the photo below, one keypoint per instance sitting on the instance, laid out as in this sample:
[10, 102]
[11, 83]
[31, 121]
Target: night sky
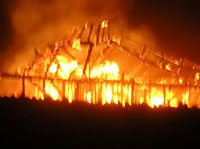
[175, 24]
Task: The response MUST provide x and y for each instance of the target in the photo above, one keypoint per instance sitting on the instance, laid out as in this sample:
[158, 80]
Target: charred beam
[81, 33]
[142, 54]
[108, 32]
[77, 90]
[104, 52]
[162, 58]
[103, 35]
[63, 89]
[133, 92]
[43, 87]
[4, 75]
[91, 28]
[88, 58]
[164, 94]
[23, 86]
[98, 33]
[68, 53]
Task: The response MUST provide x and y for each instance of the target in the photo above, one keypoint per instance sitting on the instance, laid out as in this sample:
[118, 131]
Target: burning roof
[93, 64]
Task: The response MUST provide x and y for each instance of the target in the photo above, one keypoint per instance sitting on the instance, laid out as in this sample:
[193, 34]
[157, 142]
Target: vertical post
[122, 94]
[44, 88]
[132, 92]
[63, 90]
[149, 91]
[88, 58]
[91, 28]
[81, 33]
[189, 97]
[168, 103]
[103, 34]
[77, 91]
[23, 87]
[98, 32]
[145, 95]
[164, 95]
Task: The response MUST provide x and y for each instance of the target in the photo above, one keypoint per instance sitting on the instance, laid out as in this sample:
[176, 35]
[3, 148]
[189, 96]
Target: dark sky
[174, 23]
[5, 25]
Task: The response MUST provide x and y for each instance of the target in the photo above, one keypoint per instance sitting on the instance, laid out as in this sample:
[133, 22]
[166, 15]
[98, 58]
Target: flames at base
[117, 92]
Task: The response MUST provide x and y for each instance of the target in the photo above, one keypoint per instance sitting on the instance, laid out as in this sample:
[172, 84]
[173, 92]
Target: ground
[30, 123]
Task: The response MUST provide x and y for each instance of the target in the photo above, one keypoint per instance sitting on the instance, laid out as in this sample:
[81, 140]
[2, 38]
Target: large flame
[67, 78]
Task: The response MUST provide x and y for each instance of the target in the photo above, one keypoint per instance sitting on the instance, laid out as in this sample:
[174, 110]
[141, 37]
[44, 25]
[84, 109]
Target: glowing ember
[76, 44]
[104, 24]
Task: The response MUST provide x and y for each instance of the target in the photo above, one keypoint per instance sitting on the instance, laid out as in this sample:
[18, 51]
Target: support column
[23, 87]
[44, 88]
[63, 90]
[164, 95]
[133, 93]
[77, 91]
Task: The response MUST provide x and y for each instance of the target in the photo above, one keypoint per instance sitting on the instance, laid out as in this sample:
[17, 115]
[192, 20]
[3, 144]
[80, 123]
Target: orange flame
[76, 45]
[104, 24]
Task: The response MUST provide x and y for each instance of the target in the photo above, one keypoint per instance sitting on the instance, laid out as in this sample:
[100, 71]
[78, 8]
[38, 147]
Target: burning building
[92, 64]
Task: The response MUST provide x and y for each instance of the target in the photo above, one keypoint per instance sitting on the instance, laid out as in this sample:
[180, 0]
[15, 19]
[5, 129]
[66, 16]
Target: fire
[185, 98]
[76, 44]
[89, 96]
[106, 94]
[51, 90]
[157, 98]
[157, 101]
[104, 24]
[66, 69]
[65, 72]
[108, 71]
[53, 68]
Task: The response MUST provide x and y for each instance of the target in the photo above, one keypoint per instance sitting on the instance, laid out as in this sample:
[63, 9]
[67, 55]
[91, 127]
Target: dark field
[34, 124]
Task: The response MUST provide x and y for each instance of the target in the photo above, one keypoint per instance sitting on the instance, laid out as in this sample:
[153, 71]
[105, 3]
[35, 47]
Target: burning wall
[94, 65]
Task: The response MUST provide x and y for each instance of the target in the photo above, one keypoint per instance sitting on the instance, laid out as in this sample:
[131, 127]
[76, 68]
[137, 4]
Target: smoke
[174, 24]
[36, 24]
[171, 26]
